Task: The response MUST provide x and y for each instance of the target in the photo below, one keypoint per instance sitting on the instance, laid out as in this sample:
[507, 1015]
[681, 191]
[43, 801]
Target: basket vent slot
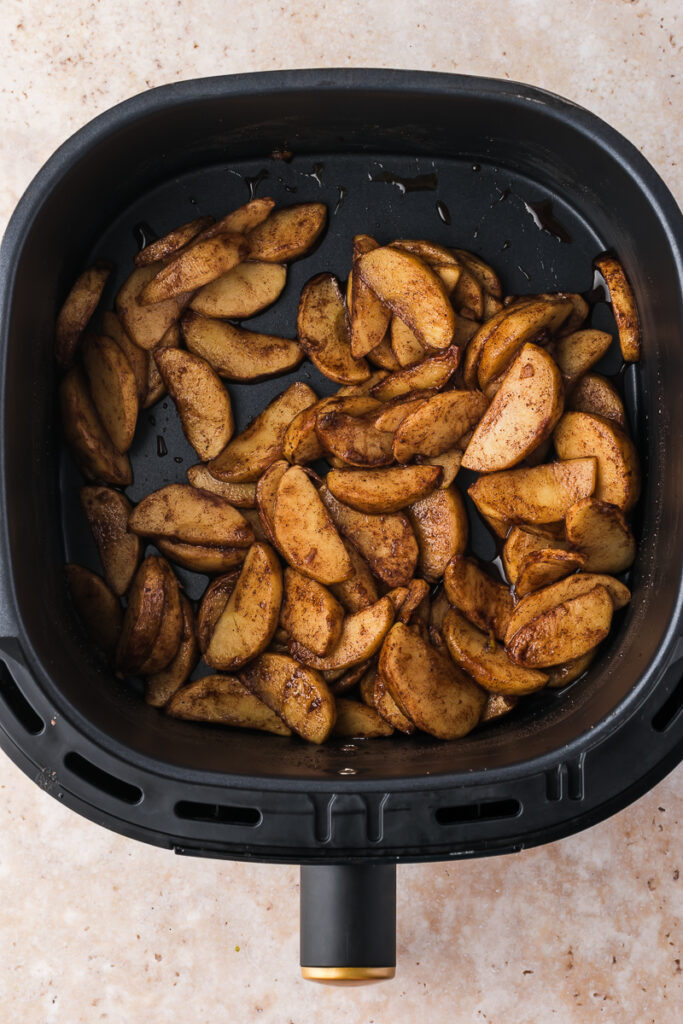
[223, 814]
[669, 709]
[99, 779]
[17, 703]
[489, 810]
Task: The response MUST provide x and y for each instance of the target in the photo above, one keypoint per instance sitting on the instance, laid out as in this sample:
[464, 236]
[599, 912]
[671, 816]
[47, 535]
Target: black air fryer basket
[392, 154]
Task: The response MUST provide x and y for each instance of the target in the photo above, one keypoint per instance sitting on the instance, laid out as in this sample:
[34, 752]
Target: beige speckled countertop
[94, 927]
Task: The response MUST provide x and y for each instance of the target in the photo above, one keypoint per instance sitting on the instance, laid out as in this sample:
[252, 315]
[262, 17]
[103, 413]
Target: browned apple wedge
[521, 323]
[242, 220]
[575, 353]
[418, 592]
[486, 275]
[484, 601]
[212, 606]
[301, 443]
[356, 720]
[386, 542]
[448, 462]
[200, 557]
[171, 242]
[98, 608]
[360, 590]
[383, 490]
[245, 290]
[224, 700]
[304, 531]
[595, 394]
[382, 355]
[168, 639]
[438, 257]
[363, 387]
[441, 529]
[156, 389]
[427, 687]
[287, 233]
[543, 567]
[266, 492]
[522, 415]
[524, 541]
[310, 614]
[160, 686]
[120, 550]
[324, 332]
[249, 454]
[412, 291]
[406, 347]
[541, 494]
[137, 357]
[299, 695]
[385, 705]
[144, 614]
[392, 413]
[146, 325]
[623, 306]
[240, 495]
[236, 353]
[565, 632]
[250, 617]
[602, 535]
[485, 660]
[369, 317]
[361, 637]
[354, 439]
[541, 601]
[197, 265]
[180, 512]
[90, 444]
[438, 424]
[580, 434]
[78, 308]
[202, 401]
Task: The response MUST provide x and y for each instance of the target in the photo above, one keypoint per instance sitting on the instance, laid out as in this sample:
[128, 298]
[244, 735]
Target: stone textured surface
[94, 927]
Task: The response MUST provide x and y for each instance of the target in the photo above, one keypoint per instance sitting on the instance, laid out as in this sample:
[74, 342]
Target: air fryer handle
[348, 922]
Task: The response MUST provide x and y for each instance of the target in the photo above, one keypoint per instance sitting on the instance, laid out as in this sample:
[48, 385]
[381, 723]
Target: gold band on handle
[347, 973]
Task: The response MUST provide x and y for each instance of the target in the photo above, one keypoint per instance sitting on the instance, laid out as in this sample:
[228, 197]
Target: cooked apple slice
[354, 439]
[200, 557]
[98, 608]
[438, 424]
[575, 353]
[361, 637]
[240, 495]
[266, 492]
[78, 308]
[356, 720]
[386, 542]
[543, 567]
[90, 444]
[524, 541]
[363, 387]
[369, 317]
[438, 257]
[156, 389]
[486, 275]
[146, 325]
[324, 332]
[249, 454]
[484, 601]
[287, 233]
[406, 347]
[160, 686]
[224, 700]
[250, 617]
[441, 529]
[382, 355]
[601, 534]
[144, 614]
[392, 413]
[119, 549]
[236, 353]
[541, 494]
[520, 324]
[212, 606]
[244, 291]
[180, 512]
[418, 593]
[595, 394]
[383, 490]
[485, 660]
[302, 444]
[137, 357]
[304, 531]
[360, 590]
[468, 295]
[242, 220]
[202, 401]
[565, 632]
[299, 695]
[623, 306]
[168, 639]
[171, 242]
[522, 415]
[385, 705]
[195, 266]
[580, 434]
[412, 291]
[541, 601]
[310, 614]
[427, 687]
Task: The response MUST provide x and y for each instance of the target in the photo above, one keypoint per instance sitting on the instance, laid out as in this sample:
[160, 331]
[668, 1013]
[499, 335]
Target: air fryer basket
[391, 153]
